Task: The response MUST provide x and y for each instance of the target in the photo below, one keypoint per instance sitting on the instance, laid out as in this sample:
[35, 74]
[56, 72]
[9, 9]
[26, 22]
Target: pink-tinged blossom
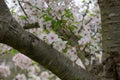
[42, 36]
[22, 61]
[34, 69]
[60, 45]
[84, 40]
[57, 79]
[32, 76]
[44, 75]
[87, 62]
[71, 50]
[21, 77]
[4, 71]
[5, 48]
[99, 56]
[71, 53]
[79, 62]
[52, 37]
[67, 2]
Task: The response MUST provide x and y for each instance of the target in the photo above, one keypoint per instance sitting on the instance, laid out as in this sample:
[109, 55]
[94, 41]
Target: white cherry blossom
[22, 61]
[44, 75]
[5, 70]
[33, 69]
[21, 77]
[79, 62]
[60, 45]
[71, 53]
[33, 77]
[52, 37]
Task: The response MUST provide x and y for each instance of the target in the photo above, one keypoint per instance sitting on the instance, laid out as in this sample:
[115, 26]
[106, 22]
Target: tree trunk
[110, 15]
[12, 34]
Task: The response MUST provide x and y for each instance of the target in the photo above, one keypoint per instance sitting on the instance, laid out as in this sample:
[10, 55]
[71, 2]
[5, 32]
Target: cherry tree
[61, 35]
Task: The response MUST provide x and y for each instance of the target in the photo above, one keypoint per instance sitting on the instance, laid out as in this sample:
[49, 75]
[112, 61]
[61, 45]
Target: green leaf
[12, 11]
[13, 51]
[49, 9]
[83, 1]
[56, 24]
[53, 22]
[64, 21]
[91, 14]
[68, 14]
[34, 62]
[80, 37]
[47, 17]
[23, 17]
[64, 50]
[36, 8]
[72, 27]
[56, 28]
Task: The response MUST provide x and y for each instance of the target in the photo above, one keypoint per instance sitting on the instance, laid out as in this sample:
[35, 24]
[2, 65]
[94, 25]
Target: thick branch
[39, 51]
[12, 34]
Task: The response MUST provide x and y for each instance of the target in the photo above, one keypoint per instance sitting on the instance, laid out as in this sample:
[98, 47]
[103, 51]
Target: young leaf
[23, 17]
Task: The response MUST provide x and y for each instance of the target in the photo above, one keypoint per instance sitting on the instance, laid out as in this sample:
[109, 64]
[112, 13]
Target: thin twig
[23, 10]
[84, 16]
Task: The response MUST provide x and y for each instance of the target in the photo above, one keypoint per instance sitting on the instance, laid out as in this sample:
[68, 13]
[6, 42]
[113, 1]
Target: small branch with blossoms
[85, 13]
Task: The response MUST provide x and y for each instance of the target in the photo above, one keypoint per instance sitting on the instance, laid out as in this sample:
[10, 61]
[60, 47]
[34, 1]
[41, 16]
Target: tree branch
[31, 26]
[12, 34]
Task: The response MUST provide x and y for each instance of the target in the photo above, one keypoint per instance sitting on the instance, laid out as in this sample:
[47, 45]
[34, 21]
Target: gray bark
[110, 14]
[12, 34]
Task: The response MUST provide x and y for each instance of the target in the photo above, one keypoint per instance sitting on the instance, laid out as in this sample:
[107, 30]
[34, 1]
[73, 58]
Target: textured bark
[110, 15]
[12, 34]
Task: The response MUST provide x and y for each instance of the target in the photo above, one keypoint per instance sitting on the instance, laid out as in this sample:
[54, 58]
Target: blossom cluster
[81, 19]
[22, 61]
[4, 70]
[21, 77]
